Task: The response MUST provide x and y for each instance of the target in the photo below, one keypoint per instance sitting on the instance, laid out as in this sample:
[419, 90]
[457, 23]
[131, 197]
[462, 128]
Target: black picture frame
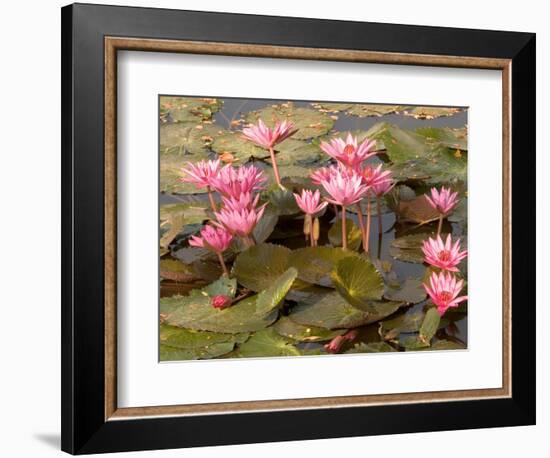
[84, 427]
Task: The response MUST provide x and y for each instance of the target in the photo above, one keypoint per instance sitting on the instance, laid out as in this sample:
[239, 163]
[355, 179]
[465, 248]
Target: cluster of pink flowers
[444, 287]
[238, 189]
[348, 182]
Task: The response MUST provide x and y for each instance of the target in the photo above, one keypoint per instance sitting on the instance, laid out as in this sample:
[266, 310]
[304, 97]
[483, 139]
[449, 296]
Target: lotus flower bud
[220, 301]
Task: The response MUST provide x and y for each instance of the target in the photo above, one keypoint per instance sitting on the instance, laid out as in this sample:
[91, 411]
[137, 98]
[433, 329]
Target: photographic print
[303, 228]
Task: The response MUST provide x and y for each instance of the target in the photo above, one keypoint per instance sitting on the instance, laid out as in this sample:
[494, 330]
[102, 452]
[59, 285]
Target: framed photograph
[283, 228]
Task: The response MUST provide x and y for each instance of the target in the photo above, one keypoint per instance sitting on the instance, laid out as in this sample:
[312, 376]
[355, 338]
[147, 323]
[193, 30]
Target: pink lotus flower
[378, 180]
[345, 188]
[446, 255]
[322, 174]
[348, 152]
[443, 201]
[267, 138]
[212, 238]
[444, 290]
[232, 182]
[244, 201]
[309, 202]
[200, 173]
[335, 345]
[220, 301]
[240, 223]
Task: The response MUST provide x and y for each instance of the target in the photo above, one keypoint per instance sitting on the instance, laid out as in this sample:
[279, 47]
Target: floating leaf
[257, 267]
[411, 291]
[445, 136]
[373, 347]
[182, 109]
[406, 322]
[431, 112]
[408, 248]
[311, 123]
[224, 286]
[265, 343]
[417, 211]
[442, 344]
[412, 343]
[192, 212]
[358, 281]
[332, 107]
[272, 297]
[297, 152]
[172, 269]
[353, 234]
[240, 148]
[365, 110]
[186, 141]
[315, 264]
[195, 344]
[429, 325]
[283, 202]
[288, 328]
[331, 311]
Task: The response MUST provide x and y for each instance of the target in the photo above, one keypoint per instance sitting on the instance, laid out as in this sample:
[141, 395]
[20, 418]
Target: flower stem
[379, 214]
[211, 199]
[275, 168]
[361, 223]
[344, 232]
[222, 262]
[367, 229]
[440, 224]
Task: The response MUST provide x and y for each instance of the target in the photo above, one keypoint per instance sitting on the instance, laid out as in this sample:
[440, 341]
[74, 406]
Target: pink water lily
[444, 290]
[212, 238]
[348, 152]
[216, 239]
[376, 177]
[243, 201]
[234, 181]
[200, 173]
[344, 188]
[309, 202]
[220, 301]
[322, 174]
[446, 255]
[267, 138]
[443, 201]
[240, 223]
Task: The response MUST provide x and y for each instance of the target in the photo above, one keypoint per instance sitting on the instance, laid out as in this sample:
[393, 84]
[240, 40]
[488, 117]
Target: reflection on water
[234, 109]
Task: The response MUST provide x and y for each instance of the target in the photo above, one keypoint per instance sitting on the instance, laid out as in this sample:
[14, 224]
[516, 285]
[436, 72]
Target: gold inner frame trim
[114, 44]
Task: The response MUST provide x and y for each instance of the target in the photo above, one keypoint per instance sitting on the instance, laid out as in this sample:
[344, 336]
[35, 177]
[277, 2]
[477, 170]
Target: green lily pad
[412, 342]
[273, 296]
[197, 344]
[330, 311]
[297, 152]
[224, 286]
[289, 174]
[429, 325]
[408, 248]
[240, 148]
[189, 141]
[358, 281]
[445, 136]
[283, 202]
[411, 291]
[172, 269]
[365, 110]
[183, 109]
[311, 123]
[168, 353]
[373, 347]
[417, 210]
[315, 264]
[401, 144]
[431, 112]
[443, 166]
[353, 234]
[443, 344]
[265, 343]
[257, 267]
[302, 333]
[332, 107]
[407, 322]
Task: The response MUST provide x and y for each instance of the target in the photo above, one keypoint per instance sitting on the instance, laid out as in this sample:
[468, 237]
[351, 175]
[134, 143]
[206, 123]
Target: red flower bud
[220, 301]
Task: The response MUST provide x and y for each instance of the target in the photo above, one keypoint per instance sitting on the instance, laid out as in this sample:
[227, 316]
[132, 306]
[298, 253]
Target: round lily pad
[182, 109]
[364, 110]
[302, 333]
[353, 234]
[372, 347]
[257, 267]
[357, 280]
[240, 148]
[311, 123]
[264, 343]
[408, 248]
[430, 112]
[411, 291]
[315, 264]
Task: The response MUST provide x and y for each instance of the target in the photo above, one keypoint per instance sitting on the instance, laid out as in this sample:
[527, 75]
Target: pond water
[233, 110]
